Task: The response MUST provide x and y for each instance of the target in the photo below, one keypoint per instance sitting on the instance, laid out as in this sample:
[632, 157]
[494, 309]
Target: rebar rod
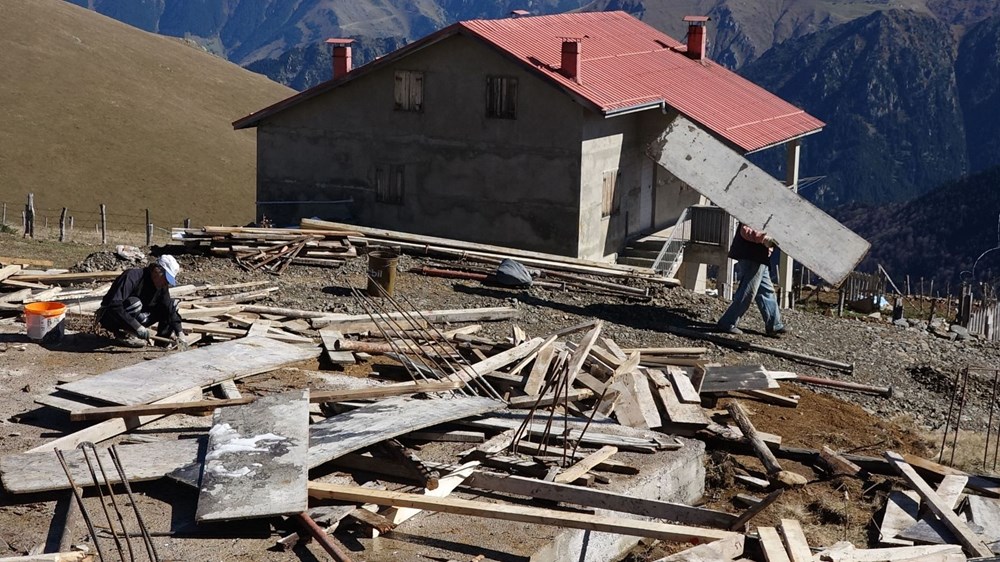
[114, 500]
[364, 306]
[150, 547]
[947, 419]
[961, 407]
[474, 376]
[416, 326]
[989, 424]
[399, 334]
[100, 495]
[530, 417]
[79, 501]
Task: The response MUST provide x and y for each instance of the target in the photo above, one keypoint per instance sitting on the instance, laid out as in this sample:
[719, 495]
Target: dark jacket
[744, 248]
[139, 283]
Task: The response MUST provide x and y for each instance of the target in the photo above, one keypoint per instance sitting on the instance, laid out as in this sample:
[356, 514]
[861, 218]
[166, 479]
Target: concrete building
[528, 132]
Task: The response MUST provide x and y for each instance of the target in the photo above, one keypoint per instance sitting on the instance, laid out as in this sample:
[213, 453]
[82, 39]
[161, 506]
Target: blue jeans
[755, 286]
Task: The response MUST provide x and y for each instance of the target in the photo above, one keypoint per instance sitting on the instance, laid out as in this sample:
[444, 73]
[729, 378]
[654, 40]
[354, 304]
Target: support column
[786, 298]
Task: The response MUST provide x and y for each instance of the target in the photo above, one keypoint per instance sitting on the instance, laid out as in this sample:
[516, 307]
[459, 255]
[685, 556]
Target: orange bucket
[45, 321]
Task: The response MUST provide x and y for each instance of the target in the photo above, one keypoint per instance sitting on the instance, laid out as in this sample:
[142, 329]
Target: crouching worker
[139, 298]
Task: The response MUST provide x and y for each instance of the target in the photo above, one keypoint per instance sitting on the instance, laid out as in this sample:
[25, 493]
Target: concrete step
[651, 245]
[645, 254]
[639, 262]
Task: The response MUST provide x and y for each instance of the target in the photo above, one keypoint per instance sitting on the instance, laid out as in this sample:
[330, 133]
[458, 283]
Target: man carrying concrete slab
[752, 251]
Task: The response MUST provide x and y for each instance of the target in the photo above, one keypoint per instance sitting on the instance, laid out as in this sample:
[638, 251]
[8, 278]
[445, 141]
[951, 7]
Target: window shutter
[400, 89]
[416, 93]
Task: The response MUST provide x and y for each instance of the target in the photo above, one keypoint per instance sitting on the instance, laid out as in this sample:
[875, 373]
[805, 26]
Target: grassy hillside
[95, 111]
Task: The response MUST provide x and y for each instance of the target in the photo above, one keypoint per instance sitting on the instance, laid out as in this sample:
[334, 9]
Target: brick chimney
[570, 64]
[697, 36]
[341, 56]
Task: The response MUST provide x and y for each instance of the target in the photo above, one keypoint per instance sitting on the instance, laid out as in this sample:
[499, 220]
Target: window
[501, 97]
[609, 195]
[409, 91]
[389, 181]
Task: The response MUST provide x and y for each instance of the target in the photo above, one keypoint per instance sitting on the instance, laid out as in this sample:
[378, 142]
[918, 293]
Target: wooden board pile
[547, 417]
[22, 281]
[273, 249]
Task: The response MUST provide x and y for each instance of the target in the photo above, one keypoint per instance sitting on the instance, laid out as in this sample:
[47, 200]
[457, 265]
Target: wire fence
[97, 225]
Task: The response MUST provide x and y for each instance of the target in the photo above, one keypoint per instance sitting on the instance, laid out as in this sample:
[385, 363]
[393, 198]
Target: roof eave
[255, 118]
[783, 141]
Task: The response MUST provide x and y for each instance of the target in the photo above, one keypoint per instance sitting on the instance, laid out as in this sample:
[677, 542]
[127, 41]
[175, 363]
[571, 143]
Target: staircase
[662, 253]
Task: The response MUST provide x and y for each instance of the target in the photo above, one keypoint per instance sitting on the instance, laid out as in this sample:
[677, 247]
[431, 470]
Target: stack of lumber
[273, 249]
[20, 285]
[420, 245]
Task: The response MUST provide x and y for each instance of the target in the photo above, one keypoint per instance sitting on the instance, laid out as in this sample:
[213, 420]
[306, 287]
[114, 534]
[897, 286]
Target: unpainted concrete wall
[466, 176]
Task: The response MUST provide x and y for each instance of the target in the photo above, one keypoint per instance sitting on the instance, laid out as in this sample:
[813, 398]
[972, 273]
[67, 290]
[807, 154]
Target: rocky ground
[918, 364]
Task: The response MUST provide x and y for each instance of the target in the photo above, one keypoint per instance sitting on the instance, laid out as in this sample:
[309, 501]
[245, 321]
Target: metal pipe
[324, 540]
[883, 391]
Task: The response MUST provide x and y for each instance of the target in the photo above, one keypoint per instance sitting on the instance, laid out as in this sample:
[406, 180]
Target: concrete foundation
[676, 476]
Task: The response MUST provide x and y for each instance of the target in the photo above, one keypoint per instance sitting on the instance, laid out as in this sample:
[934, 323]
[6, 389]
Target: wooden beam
[982, 485]
[770, 544]
[765, 455]
[795, 541]
[540, 368]
[199, 407]
[508, 512]
[319, 396]
[901, 510]
[110, 428]
[973, 545]
[585, 465]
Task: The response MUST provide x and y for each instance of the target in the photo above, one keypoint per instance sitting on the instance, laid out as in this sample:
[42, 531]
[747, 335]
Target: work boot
[131, 341]
[730, 330]
[779, 332]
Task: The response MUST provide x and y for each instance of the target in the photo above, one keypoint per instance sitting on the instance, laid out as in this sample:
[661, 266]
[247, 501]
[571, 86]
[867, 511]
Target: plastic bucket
[382, 272]
[46, 321]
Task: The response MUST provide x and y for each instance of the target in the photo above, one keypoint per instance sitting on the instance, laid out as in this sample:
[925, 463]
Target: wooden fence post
[104, 224]
[71, 223]
[29, 217]
[187, 223]
[149, 230]
[4, 219]
[62, 225]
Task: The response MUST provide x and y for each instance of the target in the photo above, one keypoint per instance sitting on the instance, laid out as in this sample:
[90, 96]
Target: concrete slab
[677, 476]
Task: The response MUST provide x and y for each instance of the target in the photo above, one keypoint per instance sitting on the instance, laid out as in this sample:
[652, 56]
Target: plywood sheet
[255, 464]
[152, 380]
[385, 419]
[757, 199]
[41, 471]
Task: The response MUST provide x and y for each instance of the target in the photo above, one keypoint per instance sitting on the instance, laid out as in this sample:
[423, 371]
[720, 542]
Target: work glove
[770, 242]
[143, 333]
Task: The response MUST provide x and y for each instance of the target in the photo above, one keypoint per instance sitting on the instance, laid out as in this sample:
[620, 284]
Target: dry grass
[95, 111]
[45, 245]
[968, 452]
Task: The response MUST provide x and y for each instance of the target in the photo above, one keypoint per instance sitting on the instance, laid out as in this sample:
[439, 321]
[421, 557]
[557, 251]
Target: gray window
[389, 183]
[501, 97]
[409, 90]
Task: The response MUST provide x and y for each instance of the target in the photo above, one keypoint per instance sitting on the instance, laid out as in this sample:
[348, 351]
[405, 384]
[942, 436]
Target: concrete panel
[759, 200]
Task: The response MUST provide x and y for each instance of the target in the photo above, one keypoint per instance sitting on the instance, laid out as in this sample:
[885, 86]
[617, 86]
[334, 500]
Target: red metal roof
[626, 65]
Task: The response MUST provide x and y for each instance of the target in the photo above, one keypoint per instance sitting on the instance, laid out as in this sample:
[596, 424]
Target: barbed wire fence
[97, 225]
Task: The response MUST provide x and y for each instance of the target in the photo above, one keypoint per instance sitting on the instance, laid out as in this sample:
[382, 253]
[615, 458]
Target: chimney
[341, 56]
[697, 38]
[570, 64]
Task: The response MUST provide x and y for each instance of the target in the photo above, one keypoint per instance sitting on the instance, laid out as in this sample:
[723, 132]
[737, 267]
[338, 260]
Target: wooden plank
[770, 398]
[930, 530]
[402, 389]
[615, 350]
[229, 390]
[979, 484]
[582, 350]
[549, 398]
[239, 333]
[985, 512]
[8, 271]
[68, 277]
[259, 328]
[770, 544]
[492, 363]
[536, 378]
[736, 377]
[200, 406]
[110, 428]
[795, 541]
[584, 466]
[973, 545]
[900, 513]
[508, 512]
[329, 339]
[446, 485]
[635, 406]
[73, 556]
[453, 436]
[689, 415]
[757, 199]
[686, 393]
[924, 553]
[158, 378]
[255, 464]
[7, 260]
[554, 491]
[838, 465]
[350, 431]
[724, 549]
[41, 472]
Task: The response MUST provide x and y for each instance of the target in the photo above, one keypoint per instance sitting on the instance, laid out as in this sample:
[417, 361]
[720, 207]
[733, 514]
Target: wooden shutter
[400, 91]
[416, 91]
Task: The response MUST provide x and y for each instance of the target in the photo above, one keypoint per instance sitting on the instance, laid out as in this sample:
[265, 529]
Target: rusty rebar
[79, 500]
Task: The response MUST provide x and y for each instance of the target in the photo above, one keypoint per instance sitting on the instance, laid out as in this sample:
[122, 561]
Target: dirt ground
[829, 509]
